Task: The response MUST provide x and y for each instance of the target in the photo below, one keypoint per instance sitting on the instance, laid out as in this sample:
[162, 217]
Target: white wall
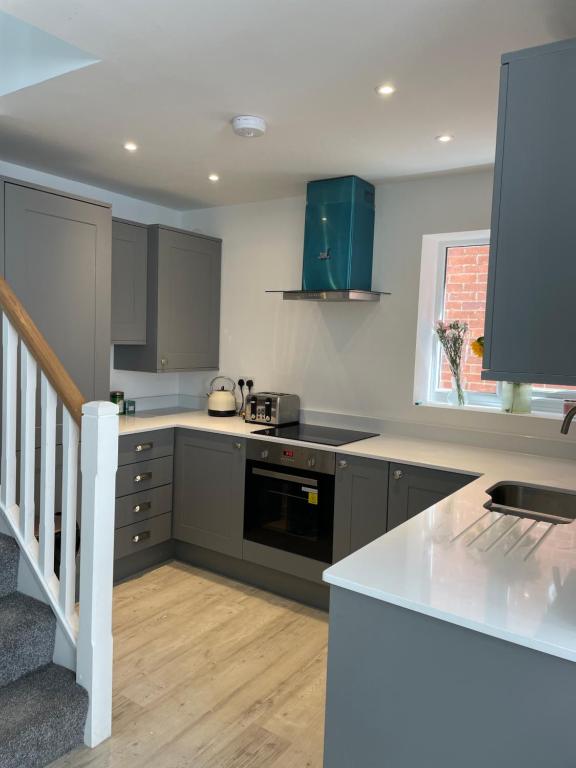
[346, 358]
[133, 384]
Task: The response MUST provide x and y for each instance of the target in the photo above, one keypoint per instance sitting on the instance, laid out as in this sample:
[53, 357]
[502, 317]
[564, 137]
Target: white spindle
[28, 370]
[9, 410]
[68, 536]
[47, 477]
[99, 461]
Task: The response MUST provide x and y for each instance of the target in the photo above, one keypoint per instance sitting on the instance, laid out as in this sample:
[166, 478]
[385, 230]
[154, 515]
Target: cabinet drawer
[146, 474]
[139, 536]
[143, 505]
[145, 445]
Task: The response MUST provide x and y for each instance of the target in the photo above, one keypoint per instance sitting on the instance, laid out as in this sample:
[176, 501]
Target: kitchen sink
[536, 502]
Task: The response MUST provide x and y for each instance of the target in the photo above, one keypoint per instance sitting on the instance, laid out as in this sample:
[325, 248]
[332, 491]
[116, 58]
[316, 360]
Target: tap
[568, 420]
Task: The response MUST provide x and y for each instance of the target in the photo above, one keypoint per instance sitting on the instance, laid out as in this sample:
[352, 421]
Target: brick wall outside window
[465, 299]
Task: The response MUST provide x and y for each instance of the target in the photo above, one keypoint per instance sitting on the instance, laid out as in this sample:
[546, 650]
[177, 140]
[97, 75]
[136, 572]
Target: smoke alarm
[249, 126]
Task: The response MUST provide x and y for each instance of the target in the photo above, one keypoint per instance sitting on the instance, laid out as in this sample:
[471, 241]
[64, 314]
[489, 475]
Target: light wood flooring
[210, 673]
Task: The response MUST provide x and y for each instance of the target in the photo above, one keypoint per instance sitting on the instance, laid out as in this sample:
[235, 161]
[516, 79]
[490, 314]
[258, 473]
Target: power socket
[248, 378]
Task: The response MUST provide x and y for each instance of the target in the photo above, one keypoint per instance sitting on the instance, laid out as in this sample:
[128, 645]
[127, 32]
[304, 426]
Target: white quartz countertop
[504, 576]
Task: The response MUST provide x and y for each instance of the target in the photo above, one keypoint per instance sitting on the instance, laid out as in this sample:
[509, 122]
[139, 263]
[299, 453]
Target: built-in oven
[289, 502]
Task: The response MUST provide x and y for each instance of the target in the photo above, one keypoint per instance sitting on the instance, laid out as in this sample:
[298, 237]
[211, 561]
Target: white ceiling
[173, 73]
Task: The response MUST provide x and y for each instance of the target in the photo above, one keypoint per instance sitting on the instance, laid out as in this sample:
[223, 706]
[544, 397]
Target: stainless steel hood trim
[346, 295]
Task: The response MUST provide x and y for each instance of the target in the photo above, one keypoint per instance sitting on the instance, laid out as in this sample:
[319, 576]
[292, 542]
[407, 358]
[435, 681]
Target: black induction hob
[310, 433]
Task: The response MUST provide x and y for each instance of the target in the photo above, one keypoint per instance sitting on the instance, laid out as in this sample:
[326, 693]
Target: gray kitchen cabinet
[57, 261]
[129, 279]
[183, 305]
[411, 490]
[530, 301]
[360, 503]
[209, 491]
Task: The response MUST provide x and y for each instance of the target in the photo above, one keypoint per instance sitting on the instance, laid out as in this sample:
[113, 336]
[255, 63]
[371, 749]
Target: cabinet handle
[238, 446]
[138, 537]
[143, 447]
[142, 476]
[163, 362]
[397, 474]
[342, 463]
[143, 507]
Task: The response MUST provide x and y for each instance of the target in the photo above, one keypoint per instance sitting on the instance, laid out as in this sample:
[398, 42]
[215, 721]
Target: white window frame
[428, 348]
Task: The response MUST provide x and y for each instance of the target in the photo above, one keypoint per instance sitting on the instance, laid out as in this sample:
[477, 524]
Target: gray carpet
[9, 557]
[42, 708]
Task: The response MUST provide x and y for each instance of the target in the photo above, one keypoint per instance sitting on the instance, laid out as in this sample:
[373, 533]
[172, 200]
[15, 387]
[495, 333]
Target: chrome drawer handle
[143, 447]
[142, 477]
[143, 507]
[342, 463]
[138, 537]
[398, 474]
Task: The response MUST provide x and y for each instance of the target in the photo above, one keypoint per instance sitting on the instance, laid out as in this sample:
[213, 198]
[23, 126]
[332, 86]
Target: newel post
[99, 462]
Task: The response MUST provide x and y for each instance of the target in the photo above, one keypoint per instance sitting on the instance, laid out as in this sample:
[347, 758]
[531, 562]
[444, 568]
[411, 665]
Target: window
[453, 283]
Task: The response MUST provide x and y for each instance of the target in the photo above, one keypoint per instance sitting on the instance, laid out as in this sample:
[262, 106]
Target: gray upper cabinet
[129, 277]
[414, 489]
[360, 503]
[531, 310]
[57, 261]
[209, 491]
[183, 311]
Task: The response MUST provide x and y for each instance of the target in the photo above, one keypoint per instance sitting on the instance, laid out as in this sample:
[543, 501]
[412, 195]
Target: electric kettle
[222, 401]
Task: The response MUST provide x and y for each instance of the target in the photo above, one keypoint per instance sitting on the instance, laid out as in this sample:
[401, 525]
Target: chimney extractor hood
[338, 242]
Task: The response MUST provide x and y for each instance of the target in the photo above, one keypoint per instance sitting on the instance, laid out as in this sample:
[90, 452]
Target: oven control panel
[288, 455]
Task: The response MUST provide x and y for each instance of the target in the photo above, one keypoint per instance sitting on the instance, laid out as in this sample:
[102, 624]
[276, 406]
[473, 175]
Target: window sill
[476, 408]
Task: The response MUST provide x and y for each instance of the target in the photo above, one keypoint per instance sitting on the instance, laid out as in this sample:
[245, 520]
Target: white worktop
[434, 564]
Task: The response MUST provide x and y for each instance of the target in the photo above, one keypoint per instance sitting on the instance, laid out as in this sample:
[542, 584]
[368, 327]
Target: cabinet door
[188, 301]
[361, 499]
[209, 491]
[414, 489]
[129, 266]
[57, 260]
[531, 310]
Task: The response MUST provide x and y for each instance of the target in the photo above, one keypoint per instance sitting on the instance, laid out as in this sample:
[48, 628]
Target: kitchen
[369, 491]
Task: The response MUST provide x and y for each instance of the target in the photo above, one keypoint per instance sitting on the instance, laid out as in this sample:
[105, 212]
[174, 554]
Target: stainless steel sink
[533, 501]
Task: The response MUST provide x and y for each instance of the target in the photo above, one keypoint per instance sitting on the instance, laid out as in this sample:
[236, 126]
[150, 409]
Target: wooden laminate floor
[210, 673]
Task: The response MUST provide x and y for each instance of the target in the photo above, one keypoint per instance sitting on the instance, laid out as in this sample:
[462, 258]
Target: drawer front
[143, 505]
[134, 478]
[140, 536]
[144, 446]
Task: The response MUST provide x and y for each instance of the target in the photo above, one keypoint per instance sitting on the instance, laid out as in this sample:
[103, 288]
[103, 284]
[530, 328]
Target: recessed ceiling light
[130, 146]
[214, 177]
[444, 138]
[386, 89]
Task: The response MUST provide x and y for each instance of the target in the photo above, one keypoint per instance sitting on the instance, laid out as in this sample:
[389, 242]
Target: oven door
[288, 509]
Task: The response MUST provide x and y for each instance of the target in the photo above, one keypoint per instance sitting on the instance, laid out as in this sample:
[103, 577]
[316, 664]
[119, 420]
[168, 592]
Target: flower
[477, 346]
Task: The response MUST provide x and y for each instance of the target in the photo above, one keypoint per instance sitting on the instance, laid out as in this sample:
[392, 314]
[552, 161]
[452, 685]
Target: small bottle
[118, 398]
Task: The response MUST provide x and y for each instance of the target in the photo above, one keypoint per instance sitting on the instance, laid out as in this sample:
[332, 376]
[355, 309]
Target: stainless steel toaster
[272, 408]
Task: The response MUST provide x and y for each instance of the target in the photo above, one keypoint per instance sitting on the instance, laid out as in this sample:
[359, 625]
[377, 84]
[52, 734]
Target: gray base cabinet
[414, 489]
[360, 503]
[57, 260]
[209, 491]
[532, 270]
[183, 305]
[129, 282]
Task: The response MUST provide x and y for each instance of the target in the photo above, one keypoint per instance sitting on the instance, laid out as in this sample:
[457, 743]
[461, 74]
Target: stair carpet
[42, 708]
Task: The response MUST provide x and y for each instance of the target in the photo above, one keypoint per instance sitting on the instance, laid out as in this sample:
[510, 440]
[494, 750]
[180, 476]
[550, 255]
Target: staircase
[55, 629]
[42, 708]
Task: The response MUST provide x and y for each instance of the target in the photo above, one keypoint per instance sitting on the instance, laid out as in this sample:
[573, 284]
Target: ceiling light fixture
[130, 146]
[214, 177]
[249, 126]
[385, 90]
[444, 138]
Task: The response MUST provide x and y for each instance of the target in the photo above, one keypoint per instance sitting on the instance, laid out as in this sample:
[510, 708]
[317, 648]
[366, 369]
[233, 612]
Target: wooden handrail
[42, 352]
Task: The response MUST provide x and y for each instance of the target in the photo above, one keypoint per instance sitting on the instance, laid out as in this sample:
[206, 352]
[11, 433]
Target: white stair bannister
[28, 374]
[70, 438]
[99, 461]
[9, 411]
[47, 477]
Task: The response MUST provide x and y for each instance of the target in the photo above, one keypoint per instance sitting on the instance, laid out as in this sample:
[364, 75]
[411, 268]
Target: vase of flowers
[515, 396]
[452, 337]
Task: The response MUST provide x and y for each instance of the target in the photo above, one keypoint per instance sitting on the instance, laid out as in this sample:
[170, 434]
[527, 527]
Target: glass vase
[516, 397]
[457, 393]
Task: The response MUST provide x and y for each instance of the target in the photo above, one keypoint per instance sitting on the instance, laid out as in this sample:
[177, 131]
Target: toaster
[274, 408]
